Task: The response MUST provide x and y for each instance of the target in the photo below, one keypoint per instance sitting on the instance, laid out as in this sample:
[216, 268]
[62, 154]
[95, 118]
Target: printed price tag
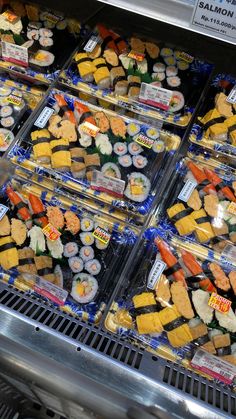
[50, 291]
[216, 16]
[44, 117]
[51, 232]
[232, 208]
[155, 273]
[52, 18]
[15, 100]
[138, 56]
[214, 366]
[103, 183]
[187, 190]
[10, 16]
[89, 129]
[92, 42]
[3, 211]
[144, 141]
[15, 54]
[102, 235]
[219, 303]
[232, 96]
[155, 96]
[186, 57]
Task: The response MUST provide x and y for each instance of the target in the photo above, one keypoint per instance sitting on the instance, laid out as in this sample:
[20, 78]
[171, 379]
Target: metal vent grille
[46, 314]
[193, 384]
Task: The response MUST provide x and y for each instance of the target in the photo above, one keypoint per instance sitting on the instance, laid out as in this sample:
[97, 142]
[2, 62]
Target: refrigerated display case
[78, 369]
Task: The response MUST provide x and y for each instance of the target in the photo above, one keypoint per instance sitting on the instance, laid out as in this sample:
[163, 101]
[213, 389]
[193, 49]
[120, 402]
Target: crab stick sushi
[93, 266]
[139, 161]
[134, 148]
[84, 288]
[76, 264]
[86, 253]
[70, 249]
[125, 161]
[120, 148]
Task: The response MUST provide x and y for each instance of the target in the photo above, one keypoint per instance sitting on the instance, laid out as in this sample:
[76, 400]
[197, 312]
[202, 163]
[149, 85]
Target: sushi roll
[152, 133]
[139, 161]
[86, 253]
[93, 267]
[182, 65]
[170, 61]
[70, 249]
[100, 245]
[118, 81]
[125, 161]
[45, 33]
[171, 71]
[101, 74]
[177, 101]
[58, 276]
[120, 148]
[42, 58]
[76, 264]
[48, 24]
[78, 167]
[158, 146]
[6, 138]
[45, 42]
[84, 288]
[33, 34]
[138, 187]
[159, 68]
[173, 81]
[87, 238]
[7, 122]
[55, 248]
[134, 148]
[166, 52]
[87, 224]
[6, 111]
[61, 25]
[158, 76]
[5, 91]
[111, 170]
[133, 129]
[34, 25]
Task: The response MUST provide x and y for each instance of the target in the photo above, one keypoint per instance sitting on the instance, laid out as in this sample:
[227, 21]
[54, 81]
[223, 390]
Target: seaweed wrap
[146, 313]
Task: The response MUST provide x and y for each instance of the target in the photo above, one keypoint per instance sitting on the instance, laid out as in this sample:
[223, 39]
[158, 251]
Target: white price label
[217, 16]
[51, 291]
[155, 273]
[91, 44]
[103, 183]
[214, 366]
[187, 190]
[43, 117]
[15, 54]
[232, 96]
[3, 211]
[155, 96]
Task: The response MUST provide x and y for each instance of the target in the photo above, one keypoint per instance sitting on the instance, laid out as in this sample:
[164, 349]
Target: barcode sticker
[214, 366]
[51, 291]
[43, 117]
[3, 211]
[219, 303]
[15, 54]
[144, 141]
[187, 190]
[91, 44]
[155, 273]
[103, 183]
[232, 96]
[155, 96]
[15, 100]
[102, 235]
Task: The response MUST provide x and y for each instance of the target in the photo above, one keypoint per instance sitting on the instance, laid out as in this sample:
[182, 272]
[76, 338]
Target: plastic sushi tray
[215, 125]
[16, 105]
[138, 74]
[59, 250]
[179, 302]
[107, 157]
[201, 204]
[33, 38]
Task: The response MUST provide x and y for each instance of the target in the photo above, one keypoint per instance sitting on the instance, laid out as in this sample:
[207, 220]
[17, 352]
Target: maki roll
[173, 81]
[158, 146]
[7, 122]
[139, 161]
[86, 253]
[120, 148]
[135, 149]
[61, 25]
[166, 52]
[78, 167]
[70, 249]
[118, 81]
[42, 58]
[45, 32]
[60, 158]
[76, 264]
[87, 238]
[92, 162]
[125, 161]
[84, 288]
[93, 266]
[159, 68]
[6, 111]
[152, 133]
[182, 65]
[46, 43]
[41, 145]
[6, 138]
[101, 74]
[111, 170]
[33, 34]
[85, 66]
[170, 60]
[100, 245]
[177, 101]
[87, 224]
[133, 129]
[171, 71]
[138, 187]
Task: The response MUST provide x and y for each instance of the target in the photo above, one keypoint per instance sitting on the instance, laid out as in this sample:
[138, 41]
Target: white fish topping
[200, 300]
[227, 320]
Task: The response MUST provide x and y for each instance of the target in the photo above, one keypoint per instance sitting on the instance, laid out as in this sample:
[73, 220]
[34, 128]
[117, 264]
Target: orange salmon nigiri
[22, 209]
[68, 113]
[195, 268]
[201, 177]
[217, 181]
[168, 257]
[39, 214]
[83, 113]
